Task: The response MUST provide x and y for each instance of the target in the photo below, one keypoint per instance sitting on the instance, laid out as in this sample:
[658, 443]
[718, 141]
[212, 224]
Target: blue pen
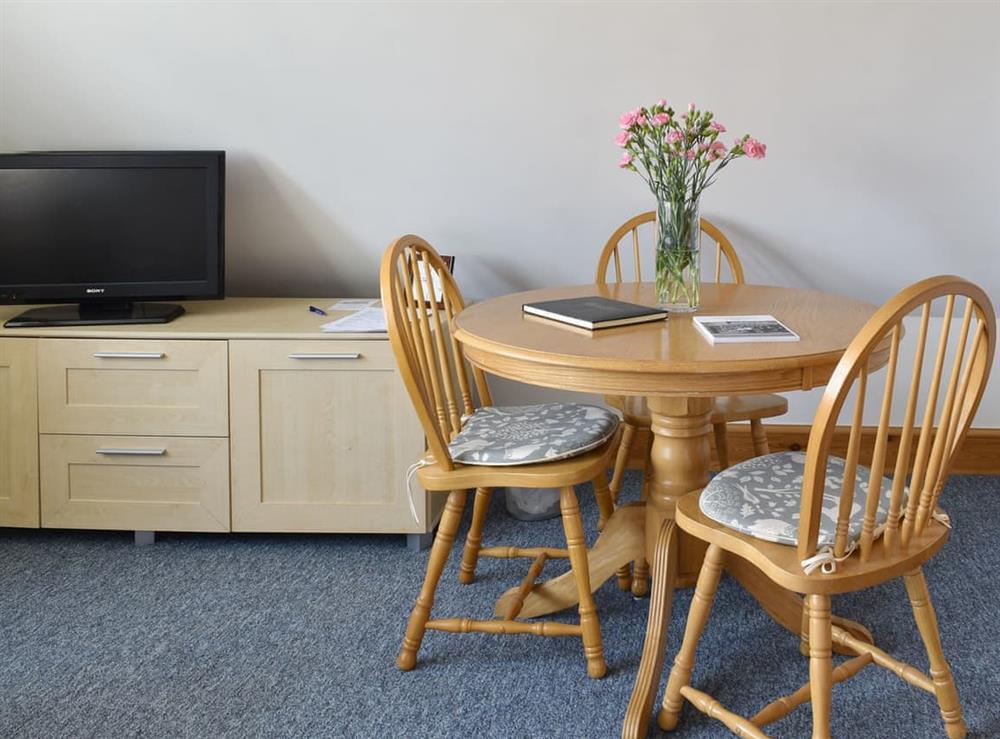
[317, 311]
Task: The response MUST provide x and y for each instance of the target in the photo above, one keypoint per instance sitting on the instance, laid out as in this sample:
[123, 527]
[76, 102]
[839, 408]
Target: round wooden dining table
[679, 373]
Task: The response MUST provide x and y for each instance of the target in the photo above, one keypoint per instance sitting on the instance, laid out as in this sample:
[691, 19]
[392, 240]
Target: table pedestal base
[661, 599]
[679, 460]
[621, 542]
[679, 457]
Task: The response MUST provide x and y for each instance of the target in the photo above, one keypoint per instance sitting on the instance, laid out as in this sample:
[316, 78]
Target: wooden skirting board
[979, 455]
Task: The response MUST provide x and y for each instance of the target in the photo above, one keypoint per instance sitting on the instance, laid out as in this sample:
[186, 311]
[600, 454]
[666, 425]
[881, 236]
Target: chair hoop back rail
[611, 256]
[437, 378]
[913, 532]
[953, 394]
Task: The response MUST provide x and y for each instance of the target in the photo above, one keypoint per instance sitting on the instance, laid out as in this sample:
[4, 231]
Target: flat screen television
[107, 231]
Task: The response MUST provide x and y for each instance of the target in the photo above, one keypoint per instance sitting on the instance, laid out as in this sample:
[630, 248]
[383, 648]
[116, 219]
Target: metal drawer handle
[327, 355]
[129, 355]
[157, 452]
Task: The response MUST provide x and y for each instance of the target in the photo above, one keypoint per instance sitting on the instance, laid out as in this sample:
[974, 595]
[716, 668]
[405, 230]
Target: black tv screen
[111, 226]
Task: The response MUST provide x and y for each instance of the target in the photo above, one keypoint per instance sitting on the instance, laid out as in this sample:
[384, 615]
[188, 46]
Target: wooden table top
[669, 357]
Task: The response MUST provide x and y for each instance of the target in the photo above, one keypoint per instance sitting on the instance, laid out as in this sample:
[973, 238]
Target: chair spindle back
[627, 238]
[430, 359]
[925, 452]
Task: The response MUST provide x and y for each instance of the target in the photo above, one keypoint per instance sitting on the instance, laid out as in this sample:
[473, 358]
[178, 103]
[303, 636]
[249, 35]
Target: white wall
[487, 128]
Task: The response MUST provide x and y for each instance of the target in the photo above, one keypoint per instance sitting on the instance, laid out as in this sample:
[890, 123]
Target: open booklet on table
[738, 329]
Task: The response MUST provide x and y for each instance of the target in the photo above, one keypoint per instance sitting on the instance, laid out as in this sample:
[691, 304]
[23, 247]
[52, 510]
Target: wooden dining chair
[624, 246]
[470, 445]
[815, 524]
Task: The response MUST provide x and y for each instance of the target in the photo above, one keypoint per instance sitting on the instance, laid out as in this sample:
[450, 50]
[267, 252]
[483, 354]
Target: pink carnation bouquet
[678, 156]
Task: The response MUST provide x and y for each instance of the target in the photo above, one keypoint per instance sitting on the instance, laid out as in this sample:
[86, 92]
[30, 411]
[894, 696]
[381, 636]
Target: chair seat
[529, 434]
[748, 407]
[726, 408]
[570, 471]
[761, 497]
[784, 565]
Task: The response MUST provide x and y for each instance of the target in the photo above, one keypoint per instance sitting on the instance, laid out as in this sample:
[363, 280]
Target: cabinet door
[18, 434]
[321, 437]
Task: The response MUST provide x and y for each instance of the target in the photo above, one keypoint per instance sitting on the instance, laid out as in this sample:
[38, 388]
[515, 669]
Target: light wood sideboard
[241, 415]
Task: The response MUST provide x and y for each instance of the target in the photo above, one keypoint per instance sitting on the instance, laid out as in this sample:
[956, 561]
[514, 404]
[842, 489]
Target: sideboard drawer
[325, 356]
[95, 386]
[151, 483]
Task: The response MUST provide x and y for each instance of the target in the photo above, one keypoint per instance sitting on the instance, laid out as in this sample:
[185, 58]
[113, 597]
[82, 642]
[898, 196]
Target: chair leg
[590, 626]
[701, 607]
[621, 460]
[640, 574]
[606, 508]
[473, 540]
[820, 663]
[759, 438]
[944, 684]
[450, 520]
[721, 444]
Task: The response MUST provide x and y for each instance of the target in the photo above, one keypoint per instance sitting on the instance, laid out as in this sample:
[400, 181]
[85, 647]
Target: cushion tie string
[410, 472]
[942, 518]
[825, 561]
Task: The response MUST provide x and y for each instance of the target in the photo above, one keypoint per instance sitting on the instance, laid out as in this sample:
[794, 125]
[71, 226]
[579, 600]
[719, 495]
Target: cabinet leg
[419, 542]
[145, 538]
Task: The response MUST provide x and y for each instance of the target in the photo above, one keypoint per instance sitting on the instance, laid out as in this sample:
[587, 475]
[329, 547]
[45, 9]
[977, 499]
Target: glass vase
[678, 257]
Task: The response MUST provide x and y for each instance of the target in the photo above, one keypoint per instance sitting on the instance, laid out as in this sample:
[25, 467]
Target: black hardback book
[594, 312]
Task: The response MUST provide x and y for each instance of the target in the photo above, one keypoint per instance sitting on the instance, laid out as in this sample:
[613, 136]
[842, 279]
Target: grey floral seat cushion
[761, 497]
[528, 434]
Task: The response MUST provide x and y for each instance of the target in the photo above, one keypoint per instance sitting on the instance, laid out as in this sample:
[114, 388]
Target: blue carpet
[295, 636]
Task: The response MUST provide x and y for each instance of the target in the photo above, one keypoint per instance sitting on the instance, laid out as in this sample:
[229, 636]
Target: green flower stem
[678, 264]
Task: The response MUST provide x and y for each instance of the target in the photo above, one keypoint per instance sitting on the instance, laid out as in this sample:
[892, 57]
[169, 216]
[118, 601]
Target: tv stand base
[100, 314]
